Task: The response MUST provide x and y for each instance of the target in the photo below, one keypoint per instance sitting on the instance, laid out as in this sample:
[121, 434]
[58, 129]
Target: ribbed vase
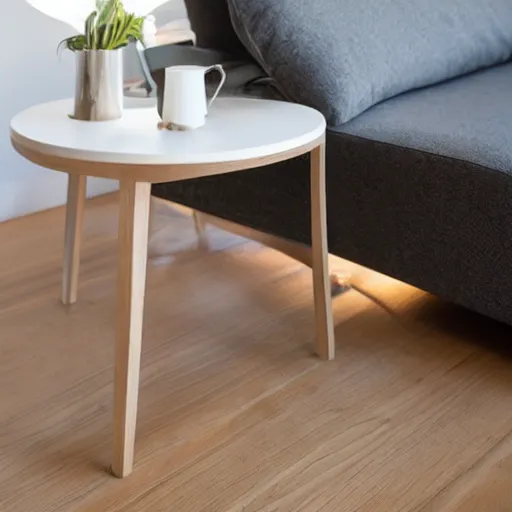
[99, 85]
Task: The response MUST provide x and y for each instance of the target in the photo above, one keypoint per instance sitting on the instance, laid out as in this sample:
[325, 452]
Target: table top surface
[236, 129]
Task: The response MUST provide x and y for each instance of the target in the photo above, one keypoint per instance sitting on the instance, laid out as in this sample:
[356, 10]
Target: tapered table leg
[73, 236]
[199, 223]
[133, 238]
[325, 343]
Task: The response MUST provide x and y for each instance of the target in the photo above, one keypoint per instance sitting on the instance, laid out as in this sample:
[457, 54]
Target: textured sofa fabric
[210, 21]
[419, 188]
[343, 56]
[469, 118]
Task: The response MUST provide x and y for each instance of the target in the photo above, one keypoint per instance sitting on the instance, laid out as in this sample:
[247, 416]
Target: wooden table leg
[199, 223]
[200, 227]
[325, 343]
[133, 237]
[73, 236]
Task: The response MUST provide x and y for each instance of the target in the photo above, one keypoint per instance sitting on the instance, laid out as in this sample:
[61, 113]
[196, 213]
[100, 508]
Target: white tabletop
[236, 129]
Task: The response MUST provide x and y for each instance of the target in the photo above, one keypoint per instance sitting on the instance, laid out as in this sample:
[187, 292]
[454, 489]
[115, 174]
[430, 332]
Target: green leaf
[109, 27]
[75, 43]
[90, 30]
[107, 10]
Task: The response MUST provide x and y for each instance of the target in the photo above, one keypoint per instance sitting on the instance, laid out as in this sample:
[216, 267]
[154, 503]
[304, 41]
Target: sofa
[418, 98]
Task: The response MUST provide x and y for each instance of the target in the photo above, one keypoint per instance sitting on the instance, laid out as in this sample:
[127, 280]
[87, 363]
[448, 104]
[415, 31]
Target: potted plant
[99, 60]
[106, 27]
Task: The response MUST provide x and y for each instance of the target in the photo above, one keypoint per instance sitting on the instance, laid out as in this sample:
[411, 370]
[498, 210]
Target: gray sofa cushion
[343, 56]
[469, 119]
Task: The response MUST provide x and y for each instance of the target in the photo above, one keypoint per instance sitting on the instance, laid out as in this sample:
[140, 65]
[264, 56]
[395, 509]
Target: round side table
[240, 134]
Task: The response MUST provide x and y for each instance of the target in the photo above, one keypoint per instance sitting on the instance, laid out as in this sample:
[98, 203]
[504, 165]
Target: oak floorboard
[235, 411]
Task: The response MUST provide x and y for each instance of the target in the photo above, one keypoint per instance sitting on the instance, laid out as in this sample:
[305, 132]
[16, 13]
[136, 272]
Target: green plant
[109, 27]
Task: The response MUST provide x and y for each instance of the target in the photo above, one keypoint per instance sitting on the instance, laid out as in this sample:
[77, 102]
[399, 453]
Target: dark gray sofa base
[399, 211]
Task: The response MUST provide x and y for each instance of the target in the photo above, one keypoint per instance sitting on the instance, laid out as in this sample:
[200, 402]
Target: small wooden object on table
[240, 134]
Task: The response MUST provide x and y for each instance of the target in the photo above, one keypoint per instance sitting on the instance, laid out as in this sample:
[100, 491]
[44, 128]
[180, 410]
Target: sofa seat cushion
[468, 118]
[343, 56]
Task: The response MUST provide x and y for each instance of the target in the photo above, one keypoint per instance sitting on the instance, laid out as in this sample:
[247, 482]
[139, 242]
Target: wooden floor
[236, 414]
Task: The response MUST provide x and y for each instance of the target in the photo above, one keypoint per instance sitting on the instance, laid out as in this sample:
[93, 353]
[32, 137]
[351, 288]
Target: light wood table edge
[152, 173]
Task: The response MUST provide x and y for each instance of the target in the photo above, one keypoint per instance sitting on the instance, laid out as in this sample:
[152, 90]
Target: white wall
[32, 73]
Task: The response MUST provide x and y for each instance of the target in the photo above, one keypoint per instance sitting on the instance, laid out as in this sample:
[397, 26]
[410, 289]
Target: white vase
[99, 85]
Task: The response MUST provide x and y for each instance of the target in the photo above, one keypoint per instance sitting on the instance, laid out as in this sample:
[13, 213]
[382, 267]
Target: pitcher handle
[220, 69]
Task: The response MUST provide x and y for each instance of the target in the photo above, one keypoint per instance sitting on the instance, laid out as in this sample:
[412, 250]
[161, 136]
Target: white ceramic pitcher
[185, 104]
